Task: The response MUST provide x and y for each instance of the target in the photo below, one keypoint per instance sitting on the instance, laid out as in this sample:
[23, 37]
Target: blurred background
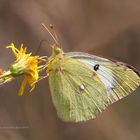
[107, 28]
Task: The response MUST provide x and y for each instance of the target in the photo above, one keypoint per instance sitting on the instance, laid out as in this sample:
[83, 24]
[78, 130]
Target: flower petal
[22, 88]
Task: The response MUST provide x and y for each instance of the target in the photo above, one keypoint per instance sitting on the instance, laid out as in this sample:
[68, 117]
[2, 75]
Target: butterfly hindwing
[77, 92]
[119, 79]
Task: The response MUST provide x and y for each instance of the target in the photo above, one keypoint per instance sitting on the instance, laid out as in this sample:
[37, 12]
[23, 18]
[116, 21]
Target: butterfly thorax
[55, 58]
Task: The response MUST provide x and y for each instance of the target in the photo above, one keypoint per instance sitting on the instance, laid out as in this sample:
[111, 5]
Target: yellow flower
[26, 65]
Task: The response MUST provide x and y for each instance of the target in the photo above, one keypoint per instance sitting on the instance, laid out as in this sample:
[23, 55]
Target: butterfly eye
[57, 50]
[96, 67]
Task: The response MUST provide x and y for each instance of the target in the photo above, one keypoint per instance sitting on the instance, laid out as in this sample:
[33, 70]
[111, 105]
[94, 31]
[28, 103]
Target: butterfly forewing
[78, 93]
[119, 79]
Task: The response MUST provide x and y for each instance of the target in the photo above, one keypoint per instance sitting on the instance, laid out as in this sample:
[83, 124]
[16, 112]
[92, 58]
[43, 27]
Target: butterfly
[83, 85]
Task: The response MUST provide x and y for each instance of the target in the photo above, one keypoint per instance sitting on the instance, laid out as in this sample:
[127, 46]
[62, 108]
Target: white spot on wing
[82, 87]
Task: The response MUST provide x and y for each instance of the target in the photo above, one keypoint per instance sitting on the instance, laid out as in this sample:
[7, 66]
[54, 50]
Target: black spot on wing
[96, 67]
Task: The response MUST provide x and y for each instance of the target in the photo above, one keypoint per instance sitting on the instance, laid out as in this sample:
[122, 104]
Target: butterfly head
[56, 50]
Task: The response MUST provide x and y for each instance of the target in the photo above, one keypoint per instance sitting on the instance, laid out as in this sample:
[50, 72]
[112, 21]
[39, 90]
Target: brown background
[105, 27]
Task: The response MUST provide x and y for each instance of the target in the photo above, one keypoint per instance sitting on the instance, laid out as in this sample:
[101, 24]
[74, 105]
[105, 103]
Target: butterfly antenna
[53, 36]
[52, 27]
[56, 37]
